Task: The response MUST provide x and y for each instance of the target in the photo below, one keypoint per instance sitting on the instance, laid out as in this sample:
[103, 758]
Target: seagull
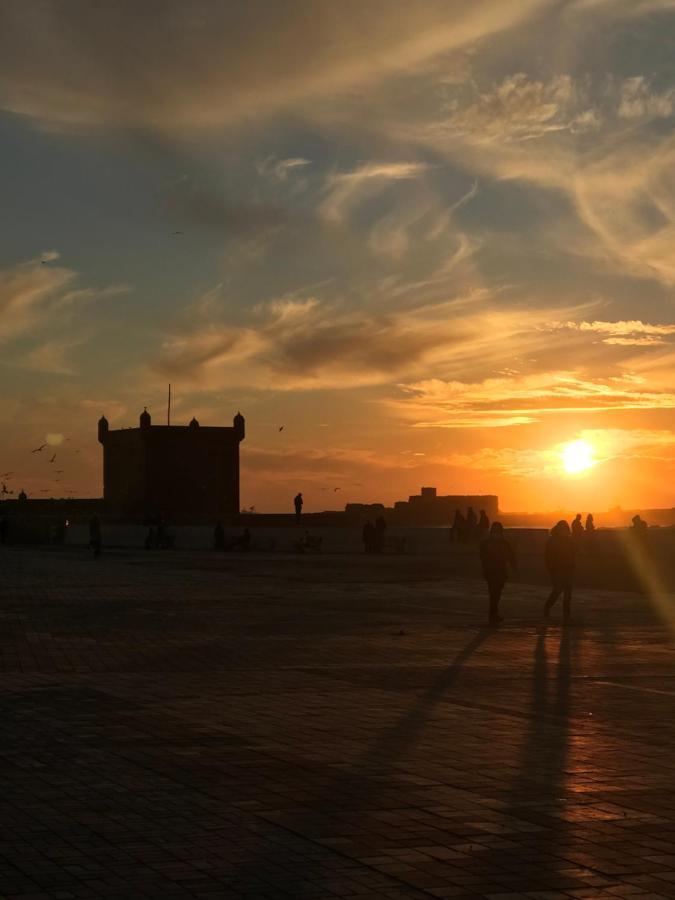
[53, 458]
[39, 449]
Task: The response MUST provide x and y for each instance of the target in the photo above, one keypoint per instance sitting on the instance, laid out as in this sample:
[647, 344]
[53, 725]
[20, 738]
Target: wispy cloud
[622, 333]
[74, 65]
[575, 136]
[520, 108]
[640, 101]
[38, 301]
[29, 292]
[52, 357]
[524, 399]
[282, 169]
[303, 344]
[346, 189]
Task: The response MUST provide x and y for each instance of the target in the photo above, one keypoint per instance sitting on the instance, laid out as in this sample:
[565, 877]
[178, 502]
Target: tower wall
[191, 470]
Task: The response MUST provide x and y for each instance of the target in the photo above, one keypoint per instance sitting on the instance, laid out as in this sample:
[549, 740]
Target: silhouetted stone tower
[191, 470]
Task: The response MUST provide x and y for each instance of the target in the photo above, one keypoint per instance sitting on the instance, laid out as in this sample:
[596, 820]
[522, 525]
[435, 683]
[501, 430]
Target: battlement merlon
[236, 430]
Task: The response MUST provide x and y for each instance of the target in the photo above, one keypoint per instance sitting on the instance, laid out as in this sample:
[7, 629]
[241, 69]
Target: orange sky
[436, 246]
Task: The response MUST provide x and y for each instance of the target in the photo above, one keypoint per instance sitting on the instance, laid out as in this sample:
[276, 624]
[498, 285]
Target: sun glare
[577, 457]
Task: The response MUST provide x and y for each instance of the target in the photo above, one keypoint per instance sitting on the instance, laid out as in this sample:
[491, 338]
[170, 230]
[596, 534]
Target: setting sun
[577, 457]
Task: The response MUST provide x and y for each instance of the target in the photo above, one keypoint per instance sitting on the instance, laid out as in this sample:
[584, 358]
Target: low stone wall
[611, 560]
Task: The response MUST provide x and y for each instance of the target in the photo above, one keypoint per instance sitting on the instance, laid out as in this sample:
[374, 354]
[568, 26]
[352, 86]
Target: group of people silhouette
[578, 530]
[498, 560]
[469, 527]
[497, 555]
[374, 534]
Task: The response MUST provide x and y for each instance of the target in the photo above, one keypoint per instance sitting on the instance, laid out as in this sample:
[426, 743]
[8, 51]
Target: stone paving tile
[193, 725]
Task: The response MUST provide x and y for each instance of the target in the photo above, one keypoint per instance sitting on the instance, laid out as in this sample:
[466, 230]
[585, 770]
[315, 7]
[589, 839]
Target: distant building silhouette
[427, 508]
[189, 469]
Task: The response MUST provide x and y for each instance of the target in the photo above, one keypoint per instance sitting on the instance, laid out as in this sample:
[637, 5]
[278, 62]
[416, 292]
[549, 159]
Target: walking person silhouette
[496, 557]
[559, 555]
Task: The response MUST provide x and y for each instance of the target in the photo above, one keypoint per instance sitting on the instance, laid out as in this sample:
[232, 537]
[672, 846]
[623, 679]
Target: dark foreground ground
[193, 726]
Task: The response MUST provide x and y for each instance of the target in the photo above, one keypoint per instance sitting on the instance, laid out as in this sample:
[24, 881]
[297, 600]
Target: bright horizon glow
[577, 457]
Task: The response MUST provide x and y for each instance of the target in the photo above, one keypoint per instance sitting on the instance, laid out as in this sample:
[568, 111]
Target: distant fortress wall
[427, 508]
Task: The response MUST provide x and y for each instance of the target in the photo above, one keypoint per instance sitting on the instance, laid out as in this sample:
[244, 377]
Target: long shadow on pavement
[354, 790]
[536, 806]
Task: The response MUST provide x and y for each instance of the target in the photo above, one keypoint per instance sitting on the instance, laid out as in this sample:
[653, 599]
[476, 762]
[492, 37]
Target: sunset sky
[433, 240]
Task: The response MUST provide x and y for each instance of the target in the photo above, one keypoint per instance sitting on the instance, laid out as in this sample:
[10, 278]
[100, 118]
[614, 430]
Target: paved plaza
[194, 725]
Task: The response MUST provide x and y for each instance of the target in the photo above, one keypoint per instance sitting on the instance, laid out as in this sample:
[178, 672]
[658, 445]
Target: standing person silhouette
[471, 524]
[496, 558]
[577, 528]
[297, 502]
[380, 531]
[458, 527]
[638, 529]
[559, 557]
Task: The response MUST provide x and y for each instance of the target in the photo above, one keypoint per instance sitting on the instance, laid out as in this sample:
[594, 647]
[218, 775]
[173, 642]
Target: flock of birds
[6, 492]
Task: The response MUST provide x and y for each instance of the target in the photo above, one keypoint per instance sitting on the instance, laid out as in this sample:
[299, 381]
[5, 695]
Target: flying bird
[176, 232]
[39, 449]
[281, 428]
[59, 471]
[336, 489]
[6, 474]
[53, 458]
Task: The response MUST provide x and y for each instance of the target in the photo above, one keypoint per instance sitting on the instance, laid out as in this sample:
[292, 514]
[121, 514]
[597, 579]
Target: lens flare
[577, 457]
